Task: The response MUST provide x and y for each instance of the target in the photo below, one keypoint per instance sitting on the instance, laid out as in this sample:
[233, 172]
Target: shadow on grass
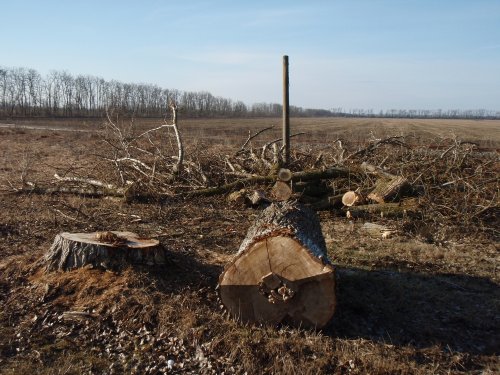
[183, 269]
[457, 312]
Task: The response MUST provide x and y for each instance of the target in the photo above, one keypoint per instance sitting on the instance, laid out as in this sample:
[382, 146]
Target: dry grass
[405, 305]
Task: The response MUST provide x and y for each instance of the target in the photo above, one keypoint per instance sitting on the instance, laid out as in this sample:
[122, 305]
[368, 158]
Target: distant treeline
[419, 113]
[26, 93]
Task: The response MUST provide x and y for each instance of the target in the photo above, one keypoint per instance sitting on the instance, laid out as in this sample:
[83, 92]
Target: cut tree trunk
[281, 191]
[326, 203]
[281, 272]
[352, 198]
[109, 250]
[406, 208]
[389, 189]
[311, 188]
[284, 175]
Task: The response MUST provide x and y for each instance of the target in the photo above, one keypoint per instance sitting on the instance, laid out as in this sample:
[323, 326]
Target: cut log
[284, 175]
[281, 272]
[311, 188]
[352, 198]
[389, 189]
[281, 191]
[109, 250]
[406, 208]
[326, 203]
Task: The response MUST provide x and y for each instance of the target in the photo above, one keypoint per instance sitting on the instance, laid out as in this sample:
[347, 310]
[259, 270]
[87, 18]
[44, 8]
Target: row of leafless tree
[25, 92]
[418, 113]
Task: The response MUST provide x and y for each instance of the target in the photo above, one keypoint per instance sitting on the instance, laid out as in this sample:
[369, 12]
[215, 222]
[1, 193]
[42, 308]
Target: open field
[425, 301]
[485, 132]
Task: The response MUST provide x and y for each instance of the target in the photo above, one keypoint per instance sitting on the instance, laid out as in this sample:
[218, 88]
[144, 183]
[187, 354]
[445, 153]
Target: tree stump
[281, 272]
[109, 250]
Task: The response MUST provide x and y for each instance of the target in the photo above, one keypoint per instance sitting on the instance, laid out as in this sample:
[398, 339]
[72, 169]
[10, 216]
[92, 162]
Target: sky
[350, 54]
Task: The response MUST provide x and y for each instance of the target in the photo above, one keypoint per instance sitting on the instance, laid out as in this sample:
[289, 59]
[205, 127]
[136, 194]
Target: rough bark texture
[290, 219]
[327, 203]
[388, 189]
[75, 250]
[311, 188]
[281, 271]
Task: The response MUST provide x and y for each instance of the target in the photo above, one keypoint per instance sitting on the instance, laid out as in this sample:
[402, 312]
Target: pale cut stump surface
[281, 272]
[110, 251]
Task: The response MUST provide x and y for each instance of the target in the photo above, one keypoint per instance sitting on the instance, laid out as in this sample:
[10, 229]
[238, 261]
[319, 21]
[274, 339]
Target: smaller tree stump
[109, 250]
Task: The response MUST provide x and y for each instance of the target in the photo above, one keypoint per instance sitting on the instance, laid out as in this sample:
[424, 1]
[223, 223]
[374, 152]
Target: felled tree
[281, 272]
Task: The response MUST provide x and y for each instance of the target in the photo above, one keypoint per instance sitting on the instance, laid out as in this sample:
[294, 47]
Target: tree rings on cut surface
[109, 250]
[352, 198]
[281, 272]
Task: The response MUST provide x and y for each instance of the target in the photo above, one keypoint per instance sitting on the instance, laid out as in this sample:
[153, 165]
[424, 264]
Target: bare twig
[86, 181]
[250, 137]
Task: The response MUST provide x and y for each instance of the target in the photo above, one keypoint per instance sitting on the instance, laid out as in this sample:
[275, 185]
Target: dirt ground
[409, 304]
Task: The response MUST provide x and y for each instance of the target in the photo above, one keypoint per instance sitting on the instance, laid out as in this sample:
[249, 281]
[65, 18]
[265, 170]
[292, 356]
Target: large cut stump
[109, 250]
[281, 272]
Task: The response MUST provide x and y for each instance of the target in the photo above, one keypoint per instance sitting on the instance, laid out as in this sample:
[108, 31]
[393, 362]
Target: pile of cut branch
[445, 186]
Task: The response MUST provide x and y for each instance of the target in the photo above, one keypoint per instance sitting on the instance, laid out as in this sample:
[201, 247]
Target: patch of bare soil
[424, 300]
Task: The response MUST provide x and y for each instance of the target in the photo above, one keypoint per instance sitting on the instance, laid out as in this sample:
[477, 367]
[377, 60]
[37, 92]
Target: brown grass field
[426, 301]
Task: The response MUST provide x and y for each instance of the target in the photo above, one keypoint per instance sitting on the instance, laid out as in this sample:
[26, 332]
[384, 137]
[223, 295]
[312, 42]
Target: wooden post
[286, 112]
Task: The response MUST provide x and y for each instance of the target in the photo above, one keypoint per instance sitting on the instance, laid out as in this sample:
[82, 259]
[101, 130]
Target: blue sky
[378, 54]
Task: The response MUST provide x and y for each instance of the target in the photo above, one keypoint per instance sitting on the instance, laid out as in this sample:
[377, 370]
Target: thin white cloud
[224, 57]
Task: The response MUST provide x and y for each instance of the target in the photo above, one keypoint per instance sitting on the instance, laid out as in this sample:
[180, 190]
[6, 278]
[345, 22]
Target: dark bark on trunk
[76, 250]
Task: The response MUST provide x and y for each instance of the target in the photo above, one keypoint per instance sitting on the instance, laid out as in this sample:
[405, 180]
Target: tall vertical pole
[286, 112]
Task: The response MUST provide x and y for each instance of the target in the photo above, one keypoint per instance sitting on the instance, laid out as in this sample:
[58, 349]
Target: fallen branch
[92, 192]
[178, 166]
[387, 210]
[297, 176]
[86, 181]
[101, 189]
